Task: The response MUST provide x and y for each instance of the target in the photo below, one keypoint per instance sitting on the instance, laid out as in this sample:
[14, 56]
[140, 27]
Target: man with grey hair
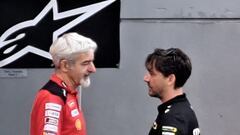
[55, 109]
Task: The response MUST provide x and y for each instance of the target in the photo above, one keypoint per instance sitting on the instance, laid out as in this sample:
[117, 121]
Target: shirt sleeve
[47, 114]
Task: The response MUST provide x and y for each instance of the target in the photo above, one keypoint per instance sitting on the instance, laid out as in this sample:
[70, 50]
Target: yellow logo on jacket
[78, 124]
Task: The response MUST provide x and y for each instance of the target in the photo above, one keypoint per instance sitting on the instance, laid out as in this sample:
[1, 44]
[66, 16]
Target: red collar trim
[61, 83]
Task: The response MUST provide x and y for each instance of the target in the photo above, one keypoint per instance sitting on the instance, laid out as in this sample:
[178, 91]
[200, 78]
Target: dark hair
[170, 61]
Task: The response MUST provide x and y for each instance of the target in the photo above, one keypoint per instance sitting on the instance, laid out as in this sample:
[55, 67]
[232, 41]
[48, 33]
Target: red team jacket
[51, 115]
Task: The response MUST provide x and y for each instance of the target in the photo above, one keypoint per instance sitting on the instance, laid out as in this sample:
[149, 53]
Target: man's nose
[92, 68]
[146, 77]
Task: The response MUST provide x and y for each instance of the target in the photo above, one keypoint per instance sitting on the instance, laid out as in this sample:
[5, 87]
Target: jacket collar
[177, 99]
[62, 84]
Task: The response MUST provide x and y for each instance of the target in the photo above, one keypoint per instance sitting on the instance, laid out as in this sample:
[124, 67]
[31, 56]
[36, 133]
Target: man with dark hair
[168, 71]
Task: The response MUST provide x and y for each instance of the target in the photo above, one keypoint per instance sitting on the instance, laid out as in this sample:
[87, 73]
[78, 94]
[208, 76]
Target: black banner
[28, 28]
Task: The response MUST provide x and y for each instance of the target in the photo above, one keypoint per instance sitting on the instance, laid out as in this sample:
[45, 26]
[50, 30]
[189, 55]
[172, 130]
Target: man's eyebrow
[87, 61]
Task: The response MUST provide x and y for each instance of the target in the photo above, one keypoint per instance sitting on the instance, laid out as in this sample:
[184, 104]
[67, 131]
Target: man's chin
[85, 82]
[151, 94]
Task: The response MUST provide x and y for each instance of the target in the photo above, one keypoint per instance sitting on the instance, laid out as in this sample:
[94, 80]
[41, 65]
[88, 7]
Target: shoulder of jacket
[46, 96]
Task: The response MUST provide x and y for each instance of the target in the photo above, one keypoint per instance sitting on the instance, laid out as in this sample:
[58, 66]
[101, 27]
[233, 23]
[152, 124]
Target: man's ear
[64, 65]
[171, 79]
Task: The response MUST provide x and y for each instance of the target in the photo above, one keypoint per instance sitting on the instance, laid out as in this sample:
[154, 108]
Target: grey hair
[66, 46]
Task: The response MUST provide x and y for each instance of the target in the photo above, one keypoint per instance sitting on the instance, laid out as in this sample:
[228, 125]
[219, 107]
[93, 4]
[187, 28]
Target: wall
[117, 102]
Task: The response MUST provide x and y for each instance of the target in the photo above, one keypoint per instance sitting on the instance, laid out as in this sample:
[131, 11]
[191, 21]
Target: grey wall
[117, 102]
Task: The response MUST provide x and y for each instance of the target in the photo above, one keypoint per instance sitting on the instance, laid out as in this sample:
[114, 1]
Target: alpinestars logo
[11, 48]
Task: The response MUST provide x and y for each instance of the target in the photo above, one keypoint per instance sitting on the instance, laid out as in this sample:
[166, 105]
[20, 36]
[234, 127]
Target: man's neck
[170, 94]
[66, 80]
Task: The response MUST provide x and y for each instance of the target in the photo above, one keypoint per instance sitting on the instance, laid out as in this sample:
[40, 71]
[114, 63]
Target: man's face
[156, 82]
[82, 68]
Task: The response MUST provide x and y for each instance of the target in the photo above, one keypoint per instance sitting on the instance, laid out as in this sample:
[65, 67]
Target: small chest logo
[196, 131]
[74, 112]
[78, 124]
[155, 126]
